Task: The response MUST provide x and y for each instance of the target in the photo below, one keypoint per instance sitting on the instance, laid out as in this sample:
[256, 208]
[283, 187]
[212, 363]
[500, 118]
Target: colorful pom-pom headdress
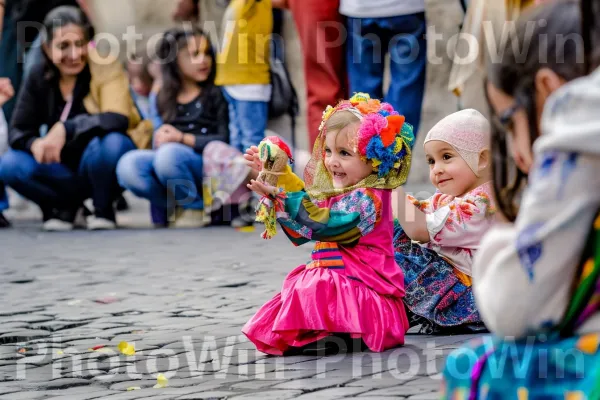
[383, 138]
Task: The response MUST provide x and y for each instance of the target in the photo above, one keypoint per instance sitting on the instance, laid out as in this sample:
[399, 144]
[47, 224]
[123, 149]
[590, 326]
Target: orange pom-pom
[367, 107]
[388, 134]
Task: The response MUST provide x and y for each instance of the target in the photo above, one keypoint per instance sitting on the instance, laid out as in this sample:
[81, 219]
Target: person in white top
[537, 280]
[394, 27]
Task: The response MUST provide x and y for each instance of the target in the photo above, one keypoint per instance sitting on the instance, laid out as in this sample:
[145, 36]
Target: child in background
[190, 139]
[244, 69]
[140, 82]
[448, 226]
[352, 287]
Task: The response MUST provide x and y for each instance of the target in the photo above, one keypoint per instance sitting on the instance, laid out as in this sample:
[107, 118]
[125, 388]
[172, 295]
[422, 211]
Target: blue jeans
[56, 187]
[369, 39]
[3, 198]
[169, 176]
[247, 122]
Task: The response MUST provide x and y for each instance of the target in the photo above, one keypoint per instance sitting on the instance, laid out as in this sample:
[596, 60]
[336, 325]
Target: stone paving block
[9, 389]
[133, 383]
[101, 394]
[270, 395]
[379, 381]
[311, 384]
[23, 396]
[400, 390]
[255, 384]
[208, 395]
[22, 335]
[425, 396]
[333, 393]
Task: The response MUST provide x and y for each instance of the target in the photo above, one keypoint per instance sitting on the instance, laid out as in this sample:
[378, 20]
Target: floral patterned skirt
[433, 289]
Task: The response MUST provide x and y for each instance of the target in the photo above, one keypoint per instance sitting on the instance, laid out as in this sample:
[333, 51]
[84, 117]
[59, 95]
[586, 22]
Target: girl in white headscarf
[448, 226]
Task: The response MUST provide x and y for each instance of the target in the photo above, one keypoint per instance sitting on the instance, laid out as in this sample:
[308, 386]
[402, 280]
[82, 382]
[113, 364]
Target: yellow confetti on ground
[126, 348]
[161, 381]
[60, 352]
[248, 229]
[129, 389]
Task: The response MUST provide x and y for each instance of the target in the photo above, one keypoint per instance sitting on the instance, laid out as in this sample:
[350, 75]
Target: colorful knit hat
[467, 131]
[384, 138]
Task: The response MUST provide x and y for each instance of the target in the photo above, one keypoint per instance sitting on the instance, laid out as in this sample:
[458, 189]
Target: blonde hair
[340, 120]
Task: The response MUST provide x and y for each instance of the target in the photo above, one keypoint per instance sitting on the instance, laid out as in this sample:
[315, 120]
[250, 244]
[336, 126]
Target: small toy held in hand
[274, 155]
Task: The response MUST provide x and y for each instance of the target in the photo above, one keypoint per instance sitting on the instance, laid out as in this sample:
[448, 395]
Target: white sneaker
[97, 224]
[57, 225]
[191, 219]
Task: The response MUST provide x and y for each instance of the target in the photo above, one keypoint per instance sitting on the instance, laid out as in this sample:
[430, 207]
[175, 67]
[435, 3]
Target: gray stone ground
[181, 297]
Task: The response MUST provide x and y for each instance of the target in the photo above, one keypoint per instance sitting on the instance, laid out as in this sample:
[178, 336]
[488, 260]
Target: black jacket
[40, 102]
[209, 122]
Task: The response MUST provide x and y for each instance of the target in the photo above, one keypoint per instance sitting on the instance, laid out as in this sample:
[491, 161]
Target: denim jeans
[247, 122]
[369, 40]
[55, 186]
[3, 198]
[169, 176]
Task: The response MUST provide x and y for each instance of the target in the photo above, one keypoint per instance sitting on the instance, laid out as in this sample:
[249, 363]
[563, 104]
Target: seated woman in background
[191, 170]
[89, 113]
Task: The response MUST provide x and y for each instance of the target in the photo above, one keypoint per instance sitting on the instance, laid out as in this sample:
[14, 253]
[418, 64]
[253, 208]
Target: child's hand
[6, 90]
[253, 161]
[261, 189]
[166, 134]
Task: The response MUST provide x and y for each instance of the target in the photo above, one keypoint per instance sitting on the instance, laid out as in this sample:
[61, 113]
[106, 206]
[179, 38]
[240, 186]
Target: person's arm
[2, 9]
[280, 3]
[153, 113]
[186, 10]
[221, 116]
[27, 115]
[345, 222]
[412, 219]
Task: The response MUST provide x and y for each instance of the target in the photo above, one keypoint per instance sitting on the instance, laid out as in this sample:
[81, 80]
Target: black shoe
[121, 204]
[4, 223]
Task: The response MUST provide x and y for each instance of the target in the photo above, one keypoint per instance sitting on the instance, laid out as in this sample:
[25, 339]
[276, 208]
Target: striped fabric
[326, 255]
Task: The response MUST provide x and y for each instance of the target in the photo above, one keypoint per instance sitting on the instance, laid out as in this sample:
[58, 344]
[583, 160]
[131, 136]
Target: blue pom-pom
[384, 113]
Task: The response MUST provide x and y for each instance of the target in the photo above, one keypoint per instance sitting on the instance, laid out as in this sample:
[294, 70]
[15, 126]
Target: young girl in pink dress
[353, 285]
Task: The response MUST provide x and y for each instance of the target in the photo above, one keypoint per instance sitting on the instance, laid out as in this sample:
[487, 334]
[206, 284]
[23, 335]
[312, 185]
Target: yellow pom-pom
[360, 97]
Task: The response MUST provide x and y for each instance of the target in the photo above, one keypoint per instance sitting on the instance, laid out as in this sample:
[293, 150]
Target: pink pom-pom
[371, 125]
[387, 107]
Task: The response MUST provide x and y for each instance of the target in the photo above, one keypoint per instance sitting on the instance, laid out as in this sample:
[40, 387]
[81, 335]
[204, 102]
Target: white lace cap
[468, 131]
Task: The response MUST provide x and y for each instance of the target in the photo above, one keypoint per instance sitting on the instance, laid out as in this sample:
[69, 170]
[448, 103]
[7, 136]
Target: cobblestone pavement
[180, 297]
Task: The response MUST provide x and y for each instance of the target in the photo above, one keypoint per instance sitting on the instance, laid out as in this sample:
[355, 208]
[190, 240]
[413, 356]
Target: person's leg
[4, 223]
[408, 60]
[179, 169]
[365, 54]
[252, 117]
[98, 168]
[135, 172]
[321, 30]
[50, 186]
[235, 135]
